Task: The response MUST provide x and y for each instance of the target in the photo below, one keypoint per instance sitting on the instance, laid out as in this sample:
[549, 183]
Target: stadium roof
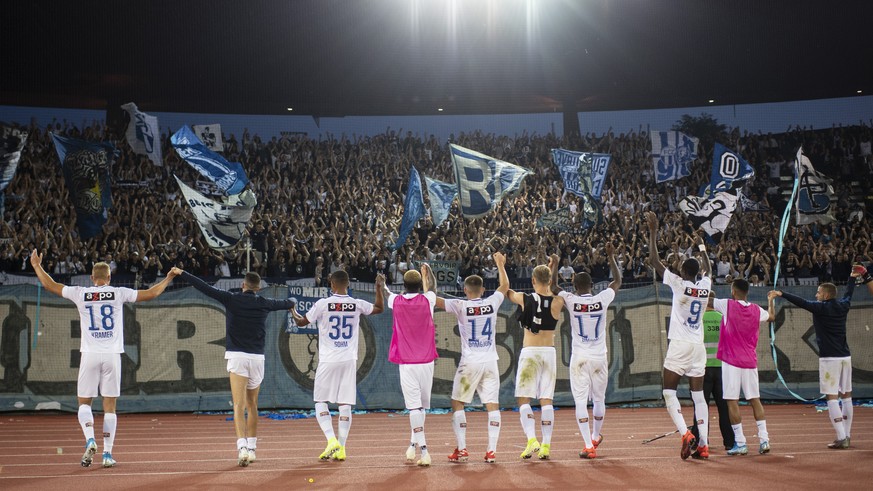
[373, 57]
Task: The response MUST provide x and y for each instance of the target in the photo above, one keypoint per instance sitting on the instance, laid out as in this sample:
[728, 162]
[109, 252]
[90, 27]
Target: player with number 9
[101, 319]
[686, 354]
[477, 370]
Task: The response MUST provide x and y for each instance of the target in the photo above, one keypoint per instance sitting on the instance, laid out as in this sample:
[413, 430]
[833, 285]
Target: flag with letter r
[483, 181]
[672, 154]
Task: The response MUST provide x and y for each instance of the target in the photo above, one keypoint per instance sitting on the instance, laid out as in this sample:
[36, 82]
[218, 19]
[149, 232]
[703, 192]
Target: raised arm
[428, 280]
[654, 259]
[500, 262]
[771, 306]
[157, 289]
[814, 307]
[706, 265]
[554, 262]
[379, 305]
[615, 284]
[47, 282]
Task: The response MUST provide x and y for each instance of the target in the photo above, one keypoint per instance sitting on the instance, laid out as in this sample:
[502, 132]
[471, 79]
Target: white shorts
[835, 375]
[336, 382]
[477, 377]
[536, 373]
[684, 358]
[588, 378]
[252, 368]
[99, 374]
[734, 378]
[416, 381]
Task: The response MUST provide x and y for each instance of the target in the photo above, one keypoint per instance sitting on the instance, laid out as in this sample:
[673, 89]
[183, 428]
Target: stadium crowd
[336, 203]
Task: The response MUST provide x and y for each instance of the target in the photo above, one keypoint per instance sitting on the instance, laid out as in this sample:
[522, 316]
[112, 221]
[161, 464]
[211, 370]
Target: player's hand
[554, 261]
[499, 259]
[424, 269]
[652, 220]
[35, 259]
[773, 294]
[175, 271]
[858, 270]
[610, 249]
[380, 280]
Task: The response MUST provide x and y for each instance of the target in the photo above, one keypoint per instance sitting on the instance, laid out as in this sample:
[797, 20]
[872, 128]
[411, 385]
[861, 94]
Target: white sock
[546, 421]
[322, 415]
[110, 423]
[412, 433]
[762, 431]
[252, 443]
[674, 410]
[493, 430]
[701, 412]
[86, 421]
[240, 443]
[527, 421]
[836, 416]
[599, 412]
[345, 423]
[739, 436]
[582, 420]
[848, 414]
[416, 422]
[459, 423]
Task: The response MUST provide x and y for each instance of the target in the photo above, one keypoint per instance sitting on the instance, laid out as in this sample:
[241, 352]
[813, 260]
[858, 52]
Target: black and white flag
[210, 135]
[712, 215]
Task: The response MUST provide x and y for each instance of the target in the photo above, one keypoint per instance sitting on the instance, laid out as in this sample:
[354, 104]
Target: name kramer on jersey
[341, 307]
[100, 297]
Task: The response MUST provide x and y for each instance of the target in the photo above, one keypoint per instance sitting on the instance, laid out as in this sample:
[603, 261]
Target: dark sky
[347, 57]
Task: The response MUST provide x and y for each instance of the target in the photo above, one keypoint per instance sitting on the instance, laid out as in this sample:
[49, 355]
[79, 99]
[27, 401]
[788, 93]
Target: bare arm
[615, 284]
[155, 290]
[654, 259]
[500, 261]
[771, 306]
[428, 279]
[379, 306]
[47, 282]
[705, 263]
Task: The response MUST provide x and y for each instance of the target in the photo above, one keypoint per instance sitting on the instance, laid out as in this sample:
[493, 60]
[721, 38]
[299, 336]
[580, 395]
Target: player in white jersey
[477, 370]
[589, 371]
[686, 354]
[338, 318]
[101, 319]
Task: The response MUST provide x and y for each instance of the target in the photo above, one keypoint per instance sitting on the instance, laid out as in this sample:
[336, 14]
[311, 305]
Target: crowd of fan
[336, 203]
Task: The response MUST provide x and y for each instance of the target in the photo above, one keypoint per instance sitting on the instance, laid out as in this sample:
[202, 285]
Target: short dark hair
[691, 267]
[741, 285]
[340, 277]
[253, 280]
[473, 281]
[582, 281]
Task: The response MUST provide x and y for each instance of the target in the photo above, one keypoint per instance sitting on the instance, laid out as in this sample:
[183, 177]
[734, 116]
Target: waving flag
[143, 134]
[748, 204]
[413, 207]
[559, 220]
[441, 195]
[672, 154]
[727, 167]
[222, 224]
[814, 192]
[210, 135]
[86, 168]
[483, 180]
[11, 143]
[711, 215]
[229, 176]
[569, 162]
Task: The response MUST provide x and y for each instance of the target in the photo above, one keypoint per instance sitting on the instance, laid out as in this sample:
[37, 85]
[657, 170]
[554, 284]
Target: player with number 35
[686, 354]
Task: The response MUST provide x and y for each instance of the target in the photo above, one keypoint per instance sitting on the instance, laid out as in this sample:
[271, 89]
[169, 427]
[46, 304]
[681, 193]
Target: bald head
[412, 281]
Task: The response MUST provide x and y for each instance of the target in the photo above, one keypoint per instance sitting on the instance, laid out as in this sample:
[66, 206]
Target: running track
[176, 451]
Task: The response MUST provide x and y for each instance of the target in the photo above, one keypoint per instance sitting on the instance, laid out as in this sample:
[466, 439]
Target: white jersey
[689, 303]
[101, 316]
[588, 321]
[338, 318]
[477, 322]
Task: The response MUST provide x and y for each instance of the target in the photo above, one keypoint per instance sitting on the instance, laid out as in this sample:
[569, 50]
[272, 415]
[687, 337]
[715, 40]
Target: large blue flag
[569, 162]
[143, 134]
[814, 192]
[672, 153]
[228, 176]
[12, 142]
[483, 180]
[413, 207]
[727, 168]
[441, 195]
[87, 168]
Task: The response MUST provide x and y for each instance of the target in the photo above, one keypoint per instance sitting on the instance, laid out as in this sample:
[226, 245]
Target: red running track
[184, 451]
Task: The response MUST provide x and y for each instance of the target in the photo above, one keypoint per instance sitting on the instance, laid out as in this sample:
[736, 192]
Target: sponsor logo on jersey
[480, 310]
[99, 296]
[584, 307]
[696, 292]
[342, 307]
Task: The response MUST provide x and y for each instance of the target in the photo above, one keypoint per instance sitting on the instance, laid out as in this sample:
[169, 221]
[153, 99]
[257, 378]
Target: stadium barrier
[174, 352]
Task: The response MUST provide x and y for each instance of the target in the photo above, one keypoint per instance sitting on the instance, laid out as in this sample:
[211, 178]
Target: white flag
[143, 134]
[222, 224]
[210, 135]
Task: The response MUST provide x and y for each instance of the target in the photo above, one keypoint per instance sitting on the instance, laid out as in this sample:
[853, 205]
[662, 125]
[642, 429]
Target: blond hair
[542, 274]
[100, 271]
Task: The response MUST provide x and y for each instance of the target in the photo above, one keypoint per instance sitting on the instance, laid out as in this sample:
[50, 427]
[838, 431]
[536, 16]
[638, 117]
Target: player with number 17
[686, 354]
